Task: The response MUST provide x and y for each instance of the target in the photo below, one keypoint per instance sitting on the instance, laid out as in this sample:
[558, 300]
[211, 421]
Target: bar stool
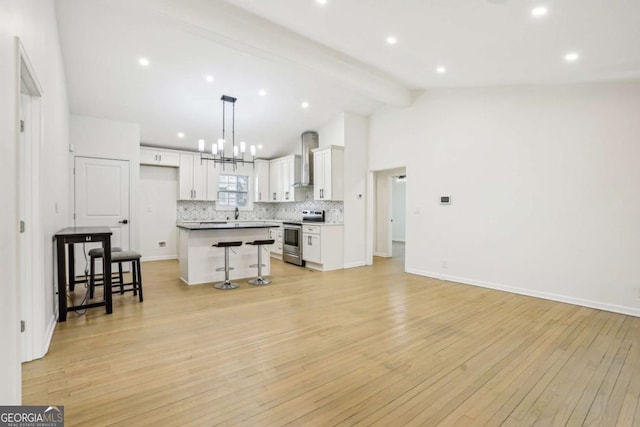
[227, 284]
[259, 281]
[120, 257]
[93, 255]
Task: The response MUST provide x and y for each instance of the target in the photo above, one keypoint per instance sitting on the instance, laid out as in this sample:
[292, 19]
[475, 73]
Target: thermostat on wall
[445, 200]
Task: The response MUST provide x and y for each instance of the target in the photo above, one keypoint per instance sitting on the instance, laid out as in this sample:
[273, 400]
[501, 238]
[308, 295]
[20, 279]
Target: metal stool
[99, 253]
[227, 284]
[136, 274]
[259, 281]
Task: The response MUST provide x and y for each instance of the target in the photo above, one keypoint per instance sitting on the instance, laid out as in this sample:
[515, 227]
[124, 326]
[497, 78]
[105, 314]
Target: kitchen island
[199, 260]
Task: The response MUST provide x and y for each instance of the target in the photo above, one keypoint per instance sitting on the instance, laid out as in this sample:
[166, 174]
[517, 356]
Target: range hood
[310, 141]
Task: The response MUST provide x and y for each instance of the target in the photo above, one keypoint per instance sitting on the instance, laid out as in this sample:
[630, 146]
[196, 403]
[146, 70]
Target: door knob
[124, 221]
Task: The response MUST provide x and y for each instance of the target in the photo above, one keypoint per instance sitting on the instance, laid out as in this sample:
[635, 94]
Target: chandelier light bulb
[214, 148]
[201, 145]
[243, 147]
[221, 146]
[253, 150]
[235, 151]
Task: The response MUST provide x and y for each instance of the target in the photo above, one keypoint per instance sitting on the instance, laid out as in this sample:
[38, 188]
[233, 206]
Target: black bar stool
[134, 286]
[259, 281]
[227, 284]
[93, 255]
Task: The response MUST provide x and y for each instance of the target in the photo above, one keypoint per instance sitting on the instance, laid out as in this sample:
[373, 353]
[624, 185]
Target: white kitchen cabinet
[156, 157]
[192, 178]
[311, 250]
[275, 180]
[275, 250]
[328, 173]
[323, 246]
[261, 179]
[283, 173]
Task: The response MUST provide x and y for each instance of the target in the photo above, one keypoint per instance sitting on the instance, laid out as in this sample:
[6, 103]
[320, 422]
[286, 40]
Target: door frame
[31, 289]
[372, 214]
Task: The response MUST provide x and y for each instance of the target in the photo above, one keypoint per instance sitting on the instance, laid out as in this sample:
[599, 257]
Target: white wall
[398, 214]
[158, 211]
[351, 131]
[544, 186]
[111, 139]
[34, 22]
[356, 142]
[332, 133]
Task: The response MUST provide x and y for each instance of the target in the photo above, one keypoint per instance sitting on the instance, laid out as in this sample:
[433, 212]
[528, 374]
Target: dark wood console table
[65, 239]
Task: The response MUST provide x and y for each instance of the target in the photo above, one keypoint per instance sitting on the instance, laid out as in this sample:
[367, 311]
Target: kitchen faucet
[237, 213]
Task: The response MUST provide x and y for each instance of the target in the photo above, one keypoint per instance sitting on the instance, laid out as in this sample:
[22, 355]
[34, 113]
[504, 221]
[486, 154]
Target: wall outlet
[162, 244]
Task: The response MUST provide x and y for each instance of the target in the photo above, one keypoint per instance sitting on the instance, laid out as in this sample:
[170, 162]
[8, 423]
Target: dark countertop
[225, 225]
[73, 231]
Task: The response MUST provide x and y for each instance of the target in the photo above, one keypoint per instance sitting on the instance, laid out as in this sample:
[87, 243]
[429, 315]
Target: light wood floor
[365, 346]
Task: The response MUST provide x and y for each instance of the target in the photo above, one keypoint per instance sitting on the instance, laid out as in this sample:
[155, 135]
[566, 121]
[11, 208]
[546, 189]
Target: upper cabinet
[193, 178]
[282, 176]
[261, 179]
[157, 157]
[328, 173]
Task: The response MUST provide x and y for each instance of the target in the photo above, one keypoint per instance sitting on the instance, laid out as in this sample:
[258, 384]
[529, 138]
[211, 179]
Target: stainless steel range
[292, 239]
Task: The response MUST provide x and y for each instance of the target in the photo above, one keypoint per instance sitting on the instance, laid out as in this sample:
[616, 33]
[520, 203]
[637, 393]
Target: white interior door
[101, 199]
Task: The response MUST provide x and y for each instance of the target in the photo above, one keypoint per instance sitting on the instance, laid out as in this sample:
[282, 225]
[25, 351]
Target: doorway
[388, 213]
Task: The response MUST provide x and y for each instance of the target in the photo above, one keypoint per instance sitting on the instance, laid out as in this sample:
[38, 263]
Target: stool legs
[259, 281]
[227, 284]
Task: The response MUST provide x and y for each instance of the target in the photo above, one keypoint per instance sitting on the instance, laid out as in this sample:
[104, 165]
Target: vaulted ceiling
[333, 56]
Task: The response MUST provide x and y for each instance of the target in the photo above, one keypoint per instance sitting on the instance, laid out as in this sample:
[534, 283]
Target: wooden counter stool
[259, 281]
[93, 255]
[135, 285]
[227, 284]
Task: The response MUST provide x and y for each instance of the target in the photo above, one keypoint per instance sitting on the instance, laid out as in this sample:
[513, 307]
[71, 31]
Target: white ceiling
[333, 56]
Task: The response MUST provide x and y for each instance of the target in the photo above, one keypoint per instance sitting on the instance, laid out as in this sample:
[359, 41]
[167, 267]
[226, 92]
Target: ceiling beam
[238, 29]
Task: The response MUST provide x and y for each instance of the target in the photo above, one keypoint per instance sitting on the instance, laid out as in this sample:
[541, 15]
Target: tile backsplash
[190, 210]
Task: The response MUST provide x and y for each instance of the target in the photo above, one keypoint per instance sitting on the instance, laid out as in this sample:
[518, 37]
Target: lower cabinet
[311, 248]
[323, 246]
[276, 249]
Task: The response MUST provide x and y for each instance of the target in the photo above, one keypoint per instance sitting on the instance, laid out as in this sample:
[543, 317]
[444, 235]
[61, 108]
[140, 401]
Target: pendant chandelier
[218, 153]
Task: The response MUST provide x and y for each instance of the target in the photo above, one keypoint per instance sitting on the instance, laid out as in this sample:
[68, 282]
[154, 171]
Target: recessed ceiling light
[143, 61]
[260, 147]
[392, 40]
[539, 11]
[572, 57]
[180, 135]
[321, 1]
[262, 92]
[209, 79]
[441, 70]
[305, 105]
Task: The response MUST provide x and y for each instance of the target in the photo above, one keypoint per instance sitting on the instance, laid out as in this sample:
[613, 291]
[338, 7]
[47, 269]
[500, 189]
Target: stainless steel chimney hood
[310, 141]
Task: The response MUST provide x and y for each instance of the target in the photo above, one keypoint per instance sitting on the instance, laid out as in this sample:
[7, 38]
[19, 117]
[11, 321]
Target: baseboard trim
[381, 254]
[48, 336]
[158, 258]
[355, 264]
[531, 293]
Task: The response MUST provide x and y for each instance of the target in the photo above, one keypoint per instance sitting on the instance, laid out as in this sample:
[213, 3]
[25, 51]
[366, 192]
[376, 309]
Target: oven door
[291, 239]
